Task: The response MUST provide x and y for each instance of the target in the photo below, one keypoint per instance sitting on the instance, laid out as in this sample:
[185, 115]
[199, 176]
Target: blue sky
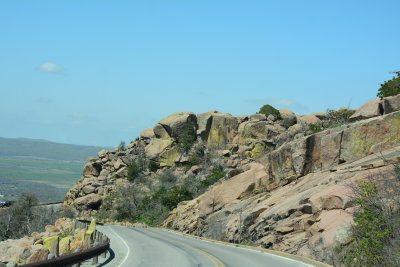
[98, 72]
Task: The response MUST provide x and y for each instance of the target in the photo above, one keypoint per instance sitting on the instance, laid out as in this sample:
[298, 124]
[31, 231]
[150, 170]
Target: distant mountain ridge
[11, 147]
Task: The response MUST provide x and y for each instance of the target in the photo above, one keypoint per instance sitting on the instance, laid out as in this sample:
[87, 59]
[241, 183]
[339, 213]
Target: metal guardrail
[73, 258]
[77, 257]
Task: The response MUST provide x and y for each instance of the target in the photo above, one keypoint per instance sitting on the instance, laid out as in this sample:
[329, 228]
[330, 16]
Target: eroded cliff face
[297, 198]
[284, 189]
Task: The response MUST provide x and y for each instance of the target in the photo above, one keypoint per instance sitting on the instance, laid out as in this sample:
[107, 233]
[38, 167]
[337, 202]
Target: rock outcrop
[59, 239]
[285, 188]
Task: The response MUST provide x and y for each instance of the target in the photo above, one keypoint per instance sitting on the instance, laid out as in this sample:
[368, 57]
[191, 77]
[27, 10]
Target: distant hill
[40, 166]
[11, 147]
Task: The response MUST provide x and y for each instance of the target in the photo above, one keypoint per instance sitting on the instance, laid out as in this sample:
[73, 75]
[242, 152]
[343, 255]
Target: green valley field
[49, 174]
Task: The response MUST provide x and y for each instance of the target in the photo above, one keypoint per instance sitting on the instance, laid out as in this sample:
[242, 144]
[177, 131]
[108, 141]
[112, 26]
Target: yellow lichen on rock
[51, 243]
[169, 157]
[258, 150]
[65, 245]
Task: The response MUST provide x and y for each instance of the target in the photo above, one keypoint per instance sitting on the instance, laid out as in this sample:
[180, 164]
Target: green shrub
[270, 110]
[187, 138]
[153, 166]
[167, 178]
[121, 146]
[338, 117]
[315, 128]
[172, 197]
[391, 87]
[376, 230]
[216, 173]
[194, 185]
[133, 171]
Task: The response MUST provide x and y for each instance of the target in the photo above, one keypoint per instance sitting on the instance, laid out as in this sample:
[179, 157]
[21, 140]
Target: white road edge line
[126, 245]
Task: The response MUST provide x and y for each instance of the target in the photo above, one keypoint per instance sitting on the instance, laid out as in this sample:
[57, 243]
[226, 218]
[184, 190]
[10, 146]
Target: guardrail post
[95, 260]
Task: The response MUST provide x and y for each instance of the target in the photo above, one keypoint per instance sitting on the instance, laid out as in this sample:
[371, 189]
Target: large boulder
[52, 244]
[147, 133]
[92, 169]
[204, 123]
[309, 119]
[169, 157]
[391, 104]
[38, 253]
[370, 109]
[372, 136]
[157, 146]
[91, 201]
[258, 117]
[256, 130]
[160, 132]
[177, 122]
[223, 130]
[288, 116]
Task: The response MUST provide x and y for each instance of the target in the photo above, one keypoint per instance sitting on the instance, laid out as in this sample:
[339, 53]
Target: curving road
[155, 247]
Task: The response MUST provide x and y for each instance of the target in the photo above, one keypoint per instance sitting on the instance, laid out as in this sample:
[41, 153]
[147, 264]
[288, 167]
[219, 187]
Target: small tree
[172, 197]
[371, 228]
[121, 146]
[133, 171]
[216, 173]
[391, 87]
[153, 166]
[187, 138]
[270, 110]
[338, 117]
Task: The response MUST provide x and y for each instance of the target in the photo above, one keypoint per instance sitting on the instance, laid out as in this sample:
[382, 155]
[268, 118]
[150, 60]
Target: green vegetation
[45, 168]
[171, 197]
[315, 128]
[334, 118]
[122, 146]
[130, 203]
[49, 179]
[376, 230]
[187, 138]
[134, 171]
[391, 87]
[153, 166]
[24, 217]
[270, 110]
[216, 173]
[338, 117]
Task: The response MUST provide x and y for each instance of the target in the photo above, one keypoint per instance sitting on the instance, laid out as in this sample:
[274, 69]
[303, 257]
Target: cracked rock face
[283, 190]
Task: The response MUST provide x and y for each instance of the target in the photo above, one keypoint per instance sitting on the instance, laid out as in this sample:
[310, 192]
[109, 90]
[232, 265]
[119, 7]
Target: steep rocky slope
[285, 188]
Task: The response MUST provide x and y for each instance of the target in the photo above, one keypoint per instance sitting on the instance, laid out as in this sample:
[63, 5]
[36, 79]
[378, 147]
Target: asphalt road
[155, 247]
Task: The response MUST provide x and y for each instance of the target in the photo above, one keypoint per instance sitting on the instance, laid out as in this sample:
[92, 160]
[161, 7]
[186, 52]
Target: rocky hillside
[287, 176]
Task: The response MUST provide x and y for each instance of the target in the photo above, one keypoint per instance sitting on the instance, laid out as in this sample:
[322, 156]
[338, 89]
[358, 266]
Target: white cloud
[50, 67]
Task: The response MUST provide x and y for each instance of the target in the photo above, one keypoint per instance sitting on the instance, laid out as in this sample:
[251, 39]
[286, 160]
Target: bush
[153, 166]
[270, 110]
[25, 217]
[171, 198]
[315, 128]
[376, 230]
[187, 138]
[133, 171]
[216, 173]
[121, 146]
[123, 204]
[338, 117]
[167, 178]
[194, 185]
[197, 154]
[391, 87]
